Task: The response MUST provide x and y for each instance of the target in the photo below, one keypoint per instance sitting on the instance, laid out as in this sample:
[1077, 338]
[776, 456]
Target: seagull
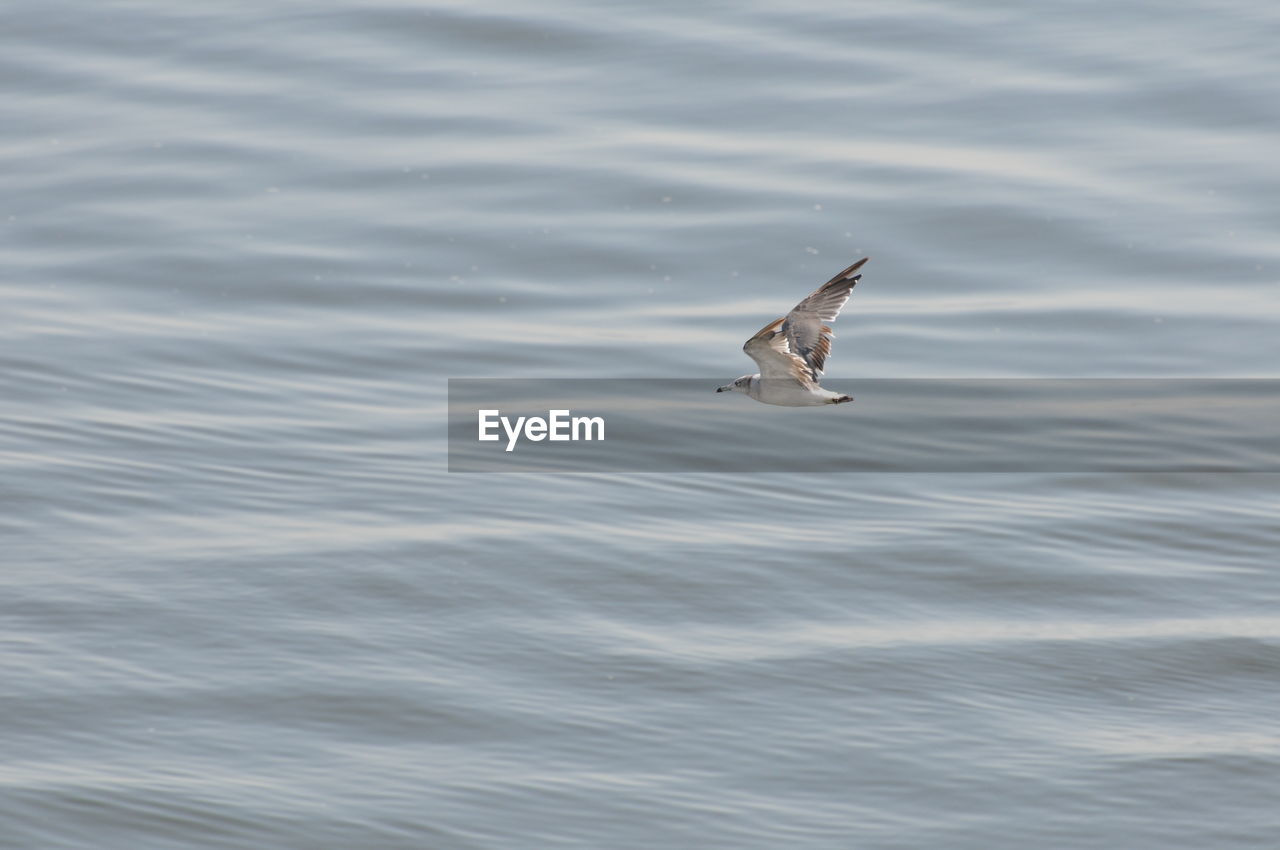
[791, 351]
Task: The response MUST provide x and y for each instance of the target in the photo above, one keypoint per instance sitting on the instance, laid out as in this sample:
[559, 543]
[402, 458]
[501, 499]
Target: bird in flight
[791, 351]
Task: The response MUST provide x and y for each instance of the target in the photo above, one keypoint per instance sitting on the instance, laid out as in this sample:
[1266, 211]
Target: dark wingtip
[848, 274]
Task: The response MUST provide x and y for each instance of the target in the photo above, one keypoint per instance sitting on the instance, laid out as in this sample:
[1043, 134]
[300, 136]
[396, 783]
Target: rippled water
[245, 245]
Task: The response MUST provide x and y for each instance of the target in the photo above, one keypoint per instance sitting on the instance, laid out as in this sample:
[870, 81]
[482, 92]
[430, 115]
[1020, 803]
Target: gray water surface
[244, 246]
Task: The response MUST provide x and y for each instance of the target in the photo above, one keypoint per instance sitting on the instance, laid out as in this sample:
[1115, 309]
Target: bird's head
[738, 386]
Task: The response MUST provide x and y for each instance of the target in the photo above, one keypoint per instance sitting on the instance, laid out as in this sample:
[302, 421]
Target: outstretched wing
[770, 350]
[807, 335]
